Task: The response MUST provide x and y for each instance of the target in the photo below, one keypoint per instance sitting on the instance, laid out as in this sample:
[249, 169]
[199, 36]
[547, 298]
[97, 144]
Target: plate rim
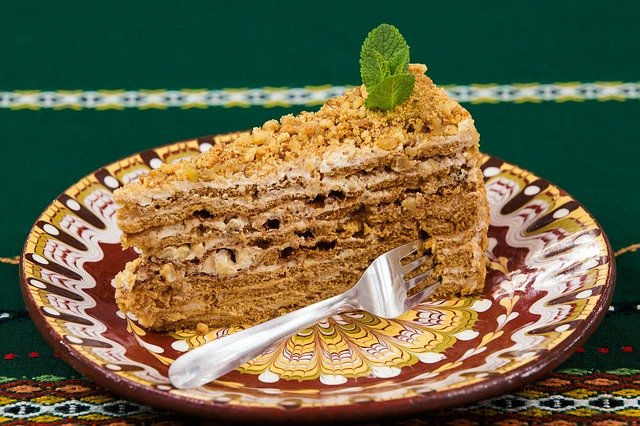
[367, 411]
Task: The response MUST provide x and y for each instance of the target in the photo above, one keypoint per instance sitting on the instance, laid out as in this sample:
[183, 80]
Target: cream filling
[220, 262]
[238, 229]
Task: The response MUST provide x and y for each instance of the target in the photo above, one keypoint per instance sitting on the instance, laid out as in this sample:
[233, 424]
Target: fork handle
[216, 358]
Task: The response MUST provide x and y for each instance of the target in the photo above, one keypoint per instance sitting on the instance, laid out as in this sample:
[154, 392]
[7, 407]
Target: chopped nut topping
[341, 121]
[167, 252]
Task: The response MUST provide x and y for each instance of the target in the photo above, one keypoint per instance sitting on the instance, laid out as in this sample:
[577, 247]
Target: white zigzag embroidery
[286, 97]
[509, 403]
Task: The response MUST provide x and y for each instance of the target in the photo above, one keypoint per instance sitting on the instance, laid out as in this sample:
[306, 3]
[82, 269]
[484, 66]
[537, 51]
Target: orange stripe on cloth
[11, 260]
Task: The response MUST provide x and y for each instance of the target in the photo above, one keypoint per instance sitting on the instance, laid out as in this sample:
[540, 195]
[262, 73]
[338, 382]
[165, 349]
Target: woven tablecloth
[553, 87]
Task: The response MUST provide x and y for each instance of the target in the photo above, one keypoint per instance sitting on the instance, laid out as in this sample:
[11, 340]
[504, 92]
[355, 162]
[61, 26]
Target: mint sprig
[384, 62]
[391, 91]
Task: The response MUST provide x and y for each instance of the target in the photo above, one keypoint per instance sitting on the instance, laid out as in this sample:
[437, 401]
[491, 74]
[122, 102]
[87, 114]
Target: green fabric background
[591, 149]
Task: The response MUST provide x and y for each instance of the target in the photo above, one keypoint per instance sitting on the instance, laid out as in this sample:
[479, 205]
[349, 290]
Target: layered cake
[294, 211]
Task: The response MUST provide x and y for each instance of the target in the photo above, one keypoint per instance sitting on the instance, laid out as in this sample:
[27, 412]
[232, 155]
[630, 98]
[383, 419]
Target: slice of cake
[294, 211]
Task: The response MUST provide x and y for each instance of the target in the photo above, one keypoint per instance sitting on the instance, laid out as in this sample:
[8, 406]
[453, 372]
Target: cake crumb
[202, 328]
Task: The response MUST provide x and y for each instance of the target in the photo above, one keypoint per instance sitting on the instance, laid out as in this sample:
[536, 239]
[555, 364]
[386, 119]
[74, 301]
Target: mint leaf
[385, 54]
[391, 92]
[387, 40]
[374, 68]
[399, 62]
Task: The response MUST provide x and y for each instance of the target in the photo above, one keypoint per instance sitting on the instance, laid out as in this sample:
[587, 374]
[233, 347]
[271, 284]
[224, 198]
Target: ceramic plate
[550, 281]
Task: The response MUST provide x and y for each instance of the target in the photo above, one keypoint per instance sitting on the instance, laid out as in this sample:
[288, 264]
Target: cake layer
[160, 297]
[242, 261]
[328, 216]
[323, 169]
[239, 259]
[253, 247]
[136, 217]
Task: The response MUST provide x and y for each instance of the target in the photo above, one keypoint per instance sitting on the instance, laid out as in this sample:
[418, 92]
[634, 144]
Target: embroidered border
[305, 96]
[629, 249]
[570, 396]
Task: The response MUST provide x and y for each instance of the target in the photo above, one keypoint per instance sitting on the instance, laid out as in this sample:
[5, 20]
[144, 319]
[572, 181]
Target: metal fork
[382, 291]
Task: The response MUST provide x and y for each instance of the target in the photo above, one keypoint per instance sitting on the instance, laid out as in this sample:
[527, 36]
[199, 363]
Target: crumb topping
[343, 121]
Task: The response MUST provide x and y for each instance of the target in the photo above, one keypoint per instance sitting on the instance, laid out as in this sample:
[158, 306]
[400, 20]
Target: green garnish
[384, 63]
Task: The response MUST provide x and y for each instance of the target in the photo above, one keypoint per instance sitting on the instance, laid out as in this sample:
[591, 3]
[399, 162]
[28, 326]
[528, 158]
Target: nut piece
[409, 204]
[260, 136]
[202, 328]
[388, 143]
[244, 139]
[198, 250]
[207, 175]
[402, 163]
[436, 125]
[167, 253]
[191, 173]
[295, 145]
[411, 151]
[283, 137]
[168, 272]
[272, 125]
[326, 123]
[250, 155]
[223, 263]
[182, 252]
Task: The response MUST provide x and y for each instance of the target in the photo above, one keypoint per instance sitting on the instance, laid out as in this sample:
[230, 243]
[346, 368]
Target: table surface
[553, 87]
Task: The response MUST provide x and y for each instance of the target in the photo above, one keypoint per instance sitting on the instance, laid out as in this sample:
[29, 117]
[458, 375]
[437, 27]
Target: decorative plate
[549, 284]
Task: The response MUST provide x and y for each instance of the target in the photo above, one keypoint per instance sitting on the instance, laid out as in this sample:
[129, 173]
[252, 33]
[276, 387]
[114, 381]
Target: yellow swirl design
[354, 345]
